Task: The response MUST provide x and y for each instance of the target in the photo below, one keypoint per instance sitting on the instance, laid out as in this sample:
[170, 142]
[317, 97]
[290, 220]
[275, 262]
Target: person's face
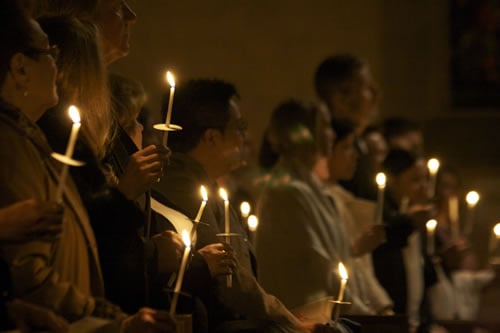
[412, 183]
[41, 72]
[114, 18]
[377, 148]
[233, 138]
[342, 162]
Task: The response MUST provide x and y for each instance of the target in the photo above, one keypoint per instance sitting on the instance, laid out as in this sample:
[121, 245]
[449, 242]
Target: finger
[148, 150]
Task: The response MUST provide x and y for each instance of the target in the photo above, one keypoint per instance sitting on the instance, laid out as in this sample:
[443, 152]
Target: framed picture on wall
[475, 53]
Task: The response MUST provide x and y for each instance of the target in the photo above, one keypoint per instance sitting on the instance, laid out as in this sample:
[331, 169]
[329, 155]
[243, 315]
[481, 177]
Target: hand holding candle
[70, 148]
[433, 166]
[472, 199]
[431, 238]
[182, 270]
[381, 181]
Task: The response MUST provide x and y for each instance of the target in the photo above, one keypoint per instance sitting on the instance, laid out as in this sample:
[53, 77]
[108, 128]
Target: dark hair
[393, 127]
[343, 127]
[16, 34]
[198, 105]
[293, 125]
[398, 161]
[333, 73]
[267, 155]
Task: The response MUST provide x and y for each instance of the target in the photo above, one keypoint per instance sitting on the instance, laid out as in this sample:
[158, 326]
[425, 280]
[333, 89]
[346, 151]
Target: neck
[207, 162]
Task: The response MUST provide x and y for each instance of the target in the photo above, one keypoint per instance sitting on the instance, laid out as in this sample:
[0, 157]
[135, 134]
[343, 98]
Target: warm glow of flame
[245, 208]
[433, 165]
[223, 194]
[170, 79]
[203, 192]
[74, 114]
[381, 179]
[431, 225]
[496, 230]
[343, 271]
[253, 222]
[472, 198]
[185, 238]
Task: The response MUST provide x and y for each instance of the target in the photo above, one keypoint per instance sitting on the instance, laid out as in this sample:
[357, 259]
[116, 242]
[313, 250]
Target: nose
[128, 14]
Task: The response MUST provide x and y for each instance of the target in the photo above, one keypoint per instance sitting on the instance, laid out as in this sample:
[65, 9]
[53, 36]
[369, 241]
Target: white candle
[253, 223]
[433, 166]
[70, 148]
[204, 198]
[227, 228]
[472, 199]
[431, 238]
[494, 243]
[171, 81]
[381, 180]
[245, 209]
[454, 217]
[343, 283]
[182, 270]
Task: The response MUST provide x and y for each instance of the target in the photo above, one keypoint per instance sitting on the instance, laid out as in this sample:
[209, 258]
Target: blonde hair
[82, 77]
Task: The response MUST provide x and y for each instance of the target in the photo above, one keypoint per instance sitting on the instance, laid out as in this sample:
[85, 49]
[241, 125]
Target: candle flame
[343, 271]
[431, 225]
[496, 230]
[245, 208]
[185, 238]
[170, 79]
[74, 114]
[472, 198]
[381, 179]
[433, 165]
[223, 194]
[203, 192]
[253, 222]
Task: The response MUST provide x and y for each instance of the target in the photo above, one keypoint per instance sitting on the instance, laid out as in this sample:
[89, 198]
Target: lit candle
[182, 270]
[253, 223]
[343, 283]
[245, 209]
[381, 180]
[171, 81]
[431, 238]
[70, 148]
[494, 243]
[433, 166]
[472, 199]
[227, 228]
[204, 198]
[453, 215]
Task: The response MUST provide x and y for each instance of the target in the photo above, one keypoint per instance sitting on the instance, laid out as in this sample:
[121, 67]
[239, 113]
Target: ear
[211, 136]
[18, 69]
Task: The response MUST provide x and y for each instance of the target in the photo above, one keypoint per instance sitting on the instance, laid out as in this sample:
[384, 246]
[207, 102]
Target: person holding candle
[356, 213]
[207, 148]
[396, 262]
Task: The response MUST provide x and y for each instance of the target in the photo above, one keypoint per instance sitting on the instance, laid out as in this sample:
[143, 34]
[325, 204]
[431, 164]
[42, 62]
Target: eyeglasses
[52, 51]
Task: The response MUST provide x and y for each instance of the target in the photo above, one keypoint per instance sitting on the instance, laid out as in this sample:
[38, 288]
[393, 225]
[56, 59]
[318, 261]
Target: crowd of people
[110, 248]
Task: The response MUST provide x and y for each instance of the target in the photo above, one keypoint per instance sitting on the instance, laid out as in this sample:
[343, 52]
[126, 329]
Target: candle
[171, 81]
[433, 166]
[204, 198]
[472, 198]
[245, 209]
[494, 243]
[182, 270]
[75, 117]
[343, 283]
[431, 238]
[253, 223]
[381, 180]
[453, 217]
[227, 228]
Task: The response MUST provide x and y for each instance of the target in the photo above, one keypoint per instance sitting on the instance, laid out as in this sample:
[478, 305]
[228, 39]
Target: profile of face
[35, 71]
[231, 144]
[412, 183]
[342, 163]
[114, 19]
[377, 148]
[412, 141]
